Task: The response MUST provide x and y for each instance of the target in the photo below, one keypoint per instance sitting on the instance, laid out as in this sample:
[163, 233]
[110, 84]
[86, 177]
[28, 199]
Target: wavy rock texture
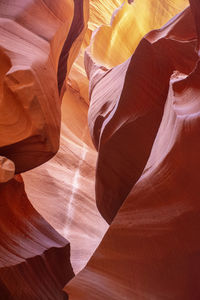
[66, 197]
[116, 112]
[35, 259]
[100, 13]
[151, 250]
[62, 190]
[32, 34]
[73, 42]
[39, 42]
[144, 122]
[114, 43]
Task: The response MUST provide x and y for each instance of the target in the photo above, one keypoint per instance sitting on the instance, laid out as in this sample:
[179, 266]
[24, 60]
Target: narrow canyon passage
[99, 150]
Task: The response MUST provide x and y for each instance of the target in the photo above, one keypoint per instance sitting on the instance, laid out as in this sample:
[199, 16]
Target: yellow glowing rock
[113, 44]
[77, 79]
[101, 11]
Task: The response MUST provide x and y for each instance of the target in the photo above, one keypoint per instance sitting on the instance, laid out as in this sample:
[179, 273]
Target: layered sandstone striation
[33, 36]
[124, 100]
[67, 181]
[151, 250]
[62, 189]
[137, 87]
[115, 42]
[35, 259]
[39, 40]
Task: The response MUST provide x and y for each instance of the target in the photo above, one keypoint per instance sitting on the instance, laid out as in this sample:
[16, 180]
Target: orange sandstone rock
[151, 250]
[32, 40]
[39, 41]
[73, 41]
[115, 42]
[127, 105]
[7, 169]
[62, 189]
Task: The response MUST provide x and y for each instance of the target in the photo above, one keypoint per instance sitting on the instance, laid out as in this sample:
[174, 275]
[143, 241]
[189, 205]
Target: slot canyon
[99, 151]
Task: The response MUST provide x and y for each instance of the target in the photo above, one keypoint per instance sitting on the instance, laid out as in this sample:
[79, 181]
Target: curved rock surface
[73, 41]
[115, 42]
[127, 105]
[101, 11]
[39, 41]
[144, 122]
[32, 35]
[62, 190]
[7, 169]
[34, 258]
[151, 250]
[66, 196]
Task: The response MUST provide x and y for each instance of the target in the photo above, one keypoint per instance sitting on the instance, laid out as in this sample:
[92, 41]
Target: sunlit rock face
[100, 12]
[151, 250]
[67, 182]
[62, 190]
[35, 259]
[115, 43]
[32, 34]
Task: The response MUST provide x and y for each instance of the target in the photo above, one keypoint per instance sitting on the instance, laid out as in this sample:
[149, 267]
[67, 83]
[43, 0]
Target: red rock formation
[62, 190]
[114, 43]
[151, 250]
[144, 122]
[39, 41]
[125, 101]
[73, 42]
[35, 259]
[32, 35]
[7, 169]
